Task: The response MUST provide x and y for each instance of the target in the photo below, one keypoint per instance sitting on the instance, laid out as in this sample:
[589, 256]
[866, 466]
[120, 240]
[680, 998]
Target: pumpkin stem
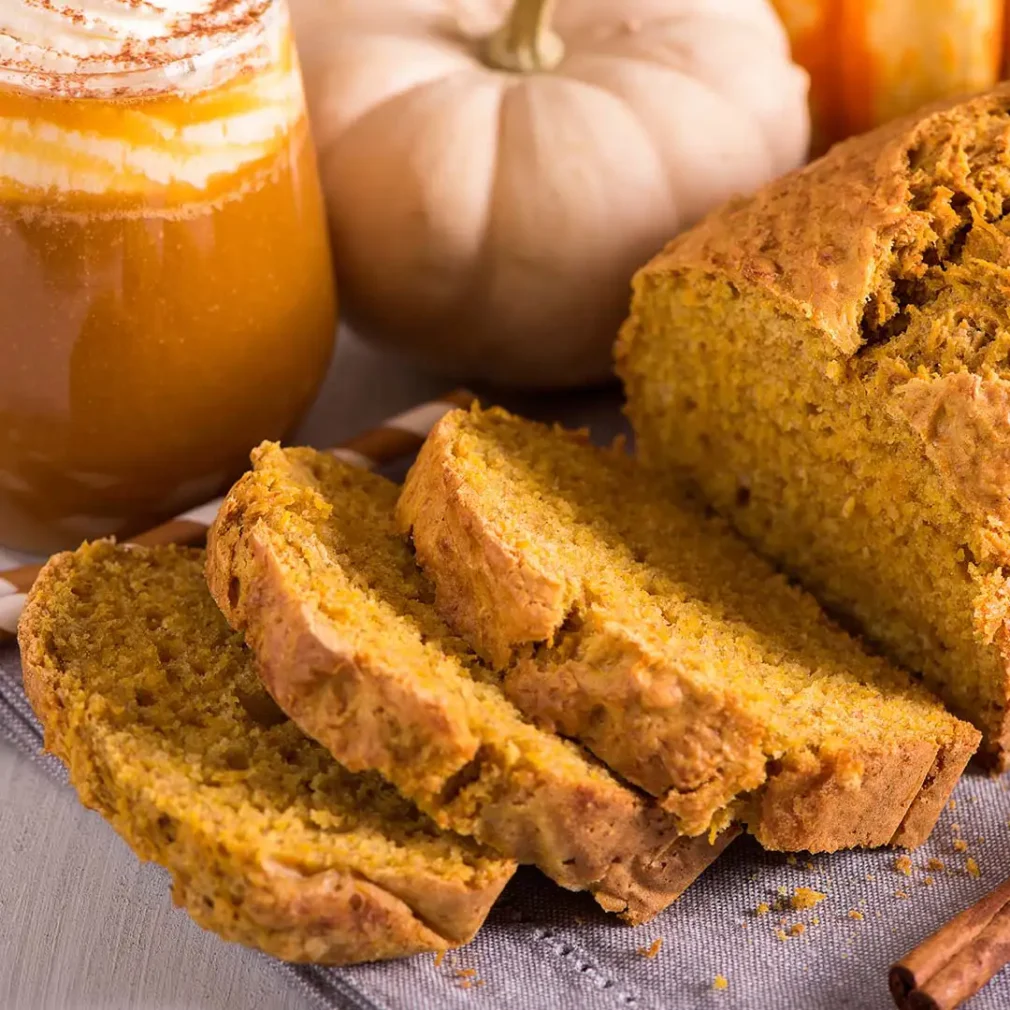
[525, 43]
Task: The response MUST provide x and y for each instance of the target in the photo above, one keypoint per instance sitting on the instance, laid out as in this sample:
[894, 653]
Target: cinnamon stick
[958, 959]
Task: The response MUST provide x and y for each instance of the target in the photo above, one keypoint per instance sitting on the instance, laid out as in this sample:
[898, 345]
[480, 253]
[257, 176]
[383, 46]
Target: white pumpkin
[494, 175]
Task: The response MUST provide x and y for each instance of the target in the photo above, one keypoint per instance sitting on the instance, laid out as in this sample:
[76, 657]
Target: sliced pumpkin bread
[637, 624]
[153, 704]
[305, 558]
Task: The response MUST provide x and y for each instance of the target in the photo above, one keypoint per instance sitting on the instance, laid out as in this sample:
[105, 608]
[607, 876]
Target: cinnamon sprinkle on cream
[65, 48]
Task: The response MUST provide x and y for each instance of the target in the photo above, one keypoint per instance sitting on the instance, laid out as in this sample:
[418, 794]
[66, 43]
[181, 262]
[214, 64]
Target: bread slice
[650, 632]
[305, 558]
[827, 361]
[154, 705]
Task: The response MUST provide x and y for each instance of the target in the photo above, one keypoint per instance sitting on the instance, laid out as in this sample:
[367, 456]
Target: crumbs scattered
[928, 881]
[937, 865]
[972, 867]
[955, 828]
[466, 978]
[854, 913]
[903, 865]
[960, 845]
[720, 982]
[901, 894]
[653, 949]
[439, 958]
[797, 929]
[792, 860]
[806, 897]
[763, 908]
[781, 934]
[952, 805]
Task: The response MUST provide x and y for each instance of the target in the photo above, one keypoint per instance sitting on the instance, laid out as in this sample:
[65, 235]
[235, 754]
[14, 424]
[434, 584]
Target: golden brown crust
[816, 238]
[493, 594]
[964, 423]
[329, 917]
[826, 802]
[381, 715]
[508, 598]
[326, 918]
[641, 886]
[629, 704]
[949, 763]
[584, 829]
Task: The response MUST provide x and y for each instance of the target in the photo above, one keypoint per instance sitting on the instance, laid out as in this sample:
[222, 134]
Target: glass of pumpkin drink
[166, 294]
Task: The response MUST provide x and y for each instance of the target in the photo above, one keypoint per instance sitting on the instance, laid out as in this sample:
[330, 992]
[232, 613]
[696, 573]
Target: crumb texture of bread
[154, 705]
[626, 618]
[827, 361]
[305, 558]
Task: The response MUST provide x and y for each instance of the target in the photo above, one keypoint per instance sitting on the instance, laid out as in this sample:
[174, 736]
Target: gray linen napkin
[546, 949]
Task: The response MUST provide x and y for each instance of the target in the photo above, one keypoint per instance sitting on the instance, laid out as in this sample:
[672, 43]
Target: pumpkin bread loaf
[828, 362]
[154, 705]
[652, 633]
[305, 558]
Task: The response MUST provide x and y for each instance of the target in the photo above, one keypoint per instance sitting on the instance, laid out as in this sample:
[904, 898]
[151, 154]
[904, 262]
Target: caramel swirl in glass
[166, 297]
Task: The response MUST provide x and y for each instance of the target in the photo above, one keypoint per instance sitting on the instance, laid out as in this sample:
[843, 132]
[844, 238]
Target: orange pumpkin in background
[872, 60]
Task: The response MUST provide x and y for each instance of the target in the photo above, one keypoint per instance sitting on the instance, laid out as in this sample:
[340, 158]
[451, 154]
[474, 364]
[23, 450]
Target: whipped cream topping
[68, 41]
[175, 137]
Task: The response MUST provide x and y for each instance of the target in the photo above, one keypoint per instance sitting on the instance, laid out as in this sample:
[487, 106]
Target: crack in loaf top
[75, 47]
